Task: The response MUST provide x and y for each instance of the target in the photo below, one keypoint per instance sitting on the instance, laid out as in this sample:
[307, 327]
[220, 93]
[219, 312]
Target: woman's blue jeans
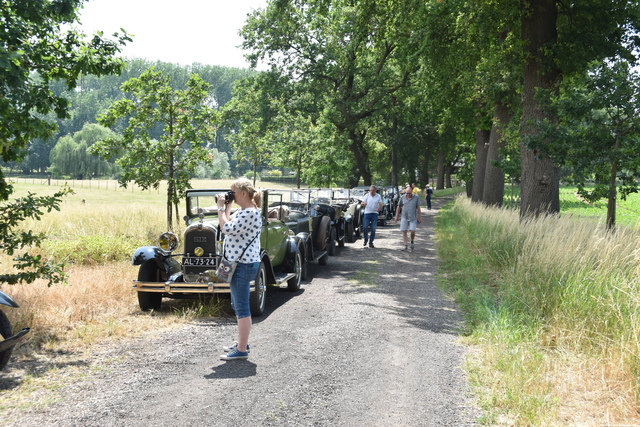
[241, 288]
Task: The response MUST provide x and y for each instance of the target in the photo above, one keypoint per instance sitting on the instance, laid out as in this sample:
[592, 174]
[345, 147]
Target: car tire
[331, 247]
[258, 298]
[293, 284]
[323, 234]
[6, 332]
[149, 300]
[349, 234]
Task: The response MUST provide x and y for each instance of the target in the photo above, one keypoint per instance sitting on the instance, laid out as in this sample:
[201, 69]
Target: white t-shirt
[372, 203]
[239, 231]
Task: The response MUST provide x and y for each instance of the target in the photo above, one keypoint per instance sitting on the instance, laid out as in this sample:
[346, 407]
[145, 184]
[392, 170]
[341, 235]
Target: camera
[229, 197]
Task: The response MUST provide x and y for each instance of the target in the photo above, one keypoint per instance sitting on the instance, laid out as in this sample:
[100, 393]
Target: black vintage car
[190, 274]
[322, 202]
[304, 218]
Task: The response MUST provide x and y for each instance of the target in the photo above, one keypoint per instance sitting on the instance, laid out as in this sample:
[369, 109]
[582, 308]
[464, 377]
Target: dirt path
[369, 341]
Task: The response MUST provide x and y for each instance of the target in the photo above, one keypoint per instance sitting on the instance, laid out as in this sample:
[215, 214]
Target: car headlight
[168, 241]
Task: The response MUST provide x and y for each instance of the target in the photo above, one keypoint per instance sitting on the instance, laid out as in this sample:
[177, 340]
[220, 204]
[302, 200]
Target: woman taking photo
[241, 244]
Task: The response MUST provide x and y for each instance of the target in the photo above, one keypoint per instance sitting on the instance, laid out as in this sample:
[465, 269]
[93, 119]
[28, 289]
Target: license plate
[199, 261]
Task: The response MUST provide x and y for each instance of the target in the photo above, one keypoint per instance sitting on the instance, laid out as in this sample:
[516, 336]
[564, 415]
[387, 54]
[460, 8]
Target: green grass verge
[542, 297]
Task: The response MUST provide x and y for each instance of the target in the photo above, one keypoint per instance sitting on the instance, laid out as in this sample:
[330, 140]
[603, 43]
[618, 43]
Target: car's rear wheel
[149, 300]
[6, 331]
[293, 284]
[258, 298]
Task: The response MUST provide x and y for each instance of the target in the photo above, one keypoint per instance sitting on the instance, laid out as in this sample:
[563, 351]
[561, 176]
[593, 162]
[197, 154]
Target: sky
[178, 31]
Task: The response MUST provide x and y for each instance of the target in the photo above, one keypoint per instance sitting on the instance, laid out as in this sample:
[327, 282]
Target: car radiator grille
[194, 266]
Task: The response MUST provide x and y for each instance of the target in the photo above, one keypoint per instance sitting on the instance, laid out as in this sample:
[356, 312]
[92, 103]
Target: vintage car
[323, 203]
[9, 339]
[190, 274]
[390, 198]
[294, 207]
[349, 208]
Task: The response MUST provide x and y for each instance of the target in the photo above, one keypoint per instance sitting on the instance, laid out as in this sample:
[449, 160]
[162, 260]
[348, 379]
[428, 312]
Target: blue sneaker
[235, 354]
[229, 348]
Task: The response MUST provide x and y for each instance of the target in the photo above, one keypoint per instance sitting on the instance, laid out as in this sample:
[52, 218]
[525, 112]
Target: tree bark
[540, 175]
[494, 177]
[613, 190]
[440, 171]
[482, 148]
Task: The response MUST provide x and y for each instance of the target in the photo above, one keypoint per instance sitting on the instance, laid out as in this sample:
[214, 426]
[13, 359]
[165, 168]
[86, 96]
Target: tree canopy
[39, 45]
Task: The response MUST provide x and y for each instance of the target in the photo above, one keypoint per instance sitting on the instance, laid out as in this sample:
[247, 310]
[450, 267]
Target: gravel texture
[368, 341]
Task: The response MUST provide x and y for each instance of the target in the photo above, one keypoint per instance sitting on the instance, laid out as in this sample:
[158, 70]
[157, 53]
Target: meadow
[552, 311]
[551, 306]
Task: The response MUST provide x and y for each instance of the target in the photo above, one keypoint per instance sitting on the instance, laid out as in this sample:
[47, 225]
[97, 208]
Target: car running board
[13, 340]
[282, 278]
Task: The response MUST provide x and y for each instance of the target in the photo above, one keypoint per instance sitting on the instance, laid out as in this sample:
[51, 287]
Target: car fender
[266, 261]
[7, 300]
[164, 259]
[304, 241]
[348, 218]
[293, 244]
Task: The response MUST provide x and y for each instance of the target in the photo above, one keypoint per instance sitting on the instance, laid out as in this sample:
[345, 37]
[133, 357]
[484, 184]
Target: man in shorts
[409, 206]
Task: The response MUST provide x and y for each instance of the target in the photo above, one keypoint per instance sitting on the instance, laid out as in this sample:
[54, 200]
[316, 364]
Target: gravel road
[368, 341]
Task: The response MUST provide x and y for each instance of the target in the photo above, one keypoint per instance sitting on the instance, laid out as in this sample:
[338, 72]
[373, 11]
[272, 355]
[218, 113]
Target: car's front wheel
[6, 332]
[258, 298]
[293, 284]
[149, 300]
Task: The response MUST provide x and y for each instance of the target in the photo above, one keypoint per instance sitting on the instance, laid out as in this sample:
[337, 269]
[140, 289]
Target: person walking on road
[409, 207]
[429, 194]
[372, 204]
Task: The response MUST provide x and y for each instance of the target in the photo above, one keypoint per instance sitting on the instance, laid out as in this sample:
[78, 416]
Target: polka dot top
[239, 230]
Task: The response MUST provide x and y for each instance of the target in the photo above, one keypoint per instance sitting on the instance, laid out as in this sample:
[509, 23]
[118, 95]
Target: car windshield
[204, 202]
[298, 198]
[321, 195]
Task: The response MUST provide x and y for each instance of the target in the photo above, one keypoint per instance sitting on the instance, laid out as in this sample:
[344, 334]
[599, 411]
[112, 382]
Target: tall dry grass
[554, 305]
[95, 232]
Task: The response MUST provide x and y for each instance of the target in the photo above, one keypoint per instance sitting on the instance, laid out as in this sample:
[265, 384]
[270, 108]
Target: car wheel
[348, 232]
[258, 298]
[293, 284]
[6, 332]
[331, 248]
[323, 234]
[149, 300]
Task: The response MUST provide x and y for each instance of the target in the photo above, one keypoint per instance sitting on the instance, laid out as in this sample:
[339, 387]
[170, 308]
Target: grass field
[552, 309]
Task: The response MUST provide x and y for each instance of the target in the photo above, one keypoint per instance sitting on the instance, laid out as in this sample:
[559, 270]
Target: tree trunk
[613, 193]
[441, 166]
[394, 150]
[494, 177]
[540, 191]
[425, 170]
[360, 155]
[169, 205]
[394, 165]
[482, 147]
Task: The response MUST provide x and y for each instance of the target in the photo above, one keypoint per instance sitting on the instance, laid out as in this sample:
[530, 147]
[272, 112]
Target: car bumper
[186, 288]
